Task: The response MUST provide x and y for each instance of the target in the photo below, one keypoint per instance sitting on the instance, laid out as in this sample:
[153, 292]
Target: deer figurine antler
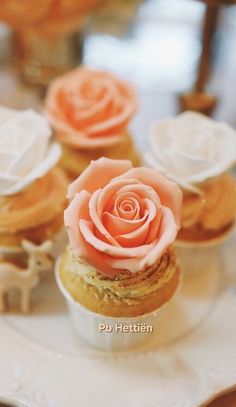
[12, 276]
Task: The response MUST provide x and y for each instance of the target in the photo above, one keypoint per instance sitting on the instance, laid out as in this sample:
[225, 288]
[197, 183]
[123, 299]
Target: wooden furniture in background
[199, 99]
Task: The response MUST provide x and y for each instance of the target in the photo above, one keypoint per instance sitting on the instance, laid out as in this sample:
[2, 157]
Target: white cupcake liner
[104, 332]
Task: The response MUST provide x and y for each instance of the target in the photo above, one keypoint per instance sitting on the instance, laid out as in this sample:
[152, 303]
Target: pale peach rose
[121, 218]
[89, 109]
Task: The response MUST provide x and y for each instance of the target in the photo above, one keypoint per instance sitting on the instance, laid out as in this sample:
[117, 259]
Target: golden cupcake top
[215, 208]
[125, 284]
[36, 205]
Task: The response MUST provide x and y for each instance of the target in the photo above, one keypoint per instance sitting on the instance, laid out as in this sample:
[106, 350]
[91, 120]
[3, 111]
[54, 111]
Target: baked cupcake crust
[74, 161]
[211, 214]
[36, 213]
[127, 294]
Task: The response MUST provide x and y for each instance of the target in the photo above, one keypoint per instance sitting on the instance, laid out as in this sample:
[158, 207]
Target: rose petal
[169, 193]
[125, 98]
[117, 226]
[21, 135]
[87, 230]
[134, 186]
[154, 227]
[84, 110]
[5, 161]
[114, 125]
[83, 142]
[77, 138]
[127, 206]
[167, 234]
[107, 198]
[108, 195]
[78, 208]
[97, 175]
[100, 101]
[16, 184]
[118, 186]
[7, 182]
[132, 195]
[80, 248]
[152, 162]
[138, 236]
[96, 220]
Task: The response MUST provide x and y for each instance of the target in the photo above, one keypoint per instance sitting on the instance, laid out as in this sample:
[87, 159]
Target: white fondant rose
[25, 149]
[191, 148]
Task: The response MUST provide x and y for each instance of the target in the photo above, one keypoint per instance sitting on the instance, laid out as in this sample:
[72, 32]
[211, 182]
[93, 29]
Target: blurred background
[179, 54]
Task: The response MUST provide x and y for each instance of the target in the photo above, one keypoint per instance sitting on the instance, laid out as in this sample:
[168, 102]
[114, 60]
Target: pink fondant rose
[121, 218]
[89, 109]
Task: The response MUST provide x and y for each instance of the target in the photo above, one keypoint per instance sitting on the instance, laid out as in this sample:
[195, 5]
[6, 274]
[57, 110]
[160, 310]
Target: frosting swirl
[126, 285]
[214, 208]
[35, 206]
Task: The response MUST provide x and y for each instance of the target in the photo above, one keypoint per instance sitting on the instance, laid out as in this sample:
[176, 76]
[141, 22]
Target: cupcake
[89, 112]
[197, 153]
[50, 18]
[32, 188]
[120, 264]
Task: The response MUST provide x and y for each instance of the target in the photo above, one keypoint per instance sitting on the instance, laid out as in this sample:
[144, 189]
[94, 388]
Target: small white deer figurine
[12, 276]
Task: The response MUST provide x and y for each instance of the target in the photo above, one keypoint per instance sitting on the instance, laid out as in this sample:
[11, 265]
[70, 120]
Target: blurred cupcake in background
[120, 264]
[197, 153]
[90, 112]
[49, 17]
[32, 188]
[48, 36]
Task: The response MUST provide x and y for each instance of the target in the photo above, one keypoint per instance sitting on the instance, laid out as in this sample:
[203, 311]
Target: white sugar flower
[191, 148]
[26, 152]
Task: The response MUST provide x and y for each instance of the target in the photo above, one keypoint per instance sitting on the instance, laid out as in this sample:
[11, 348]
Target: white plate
[191, 357]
